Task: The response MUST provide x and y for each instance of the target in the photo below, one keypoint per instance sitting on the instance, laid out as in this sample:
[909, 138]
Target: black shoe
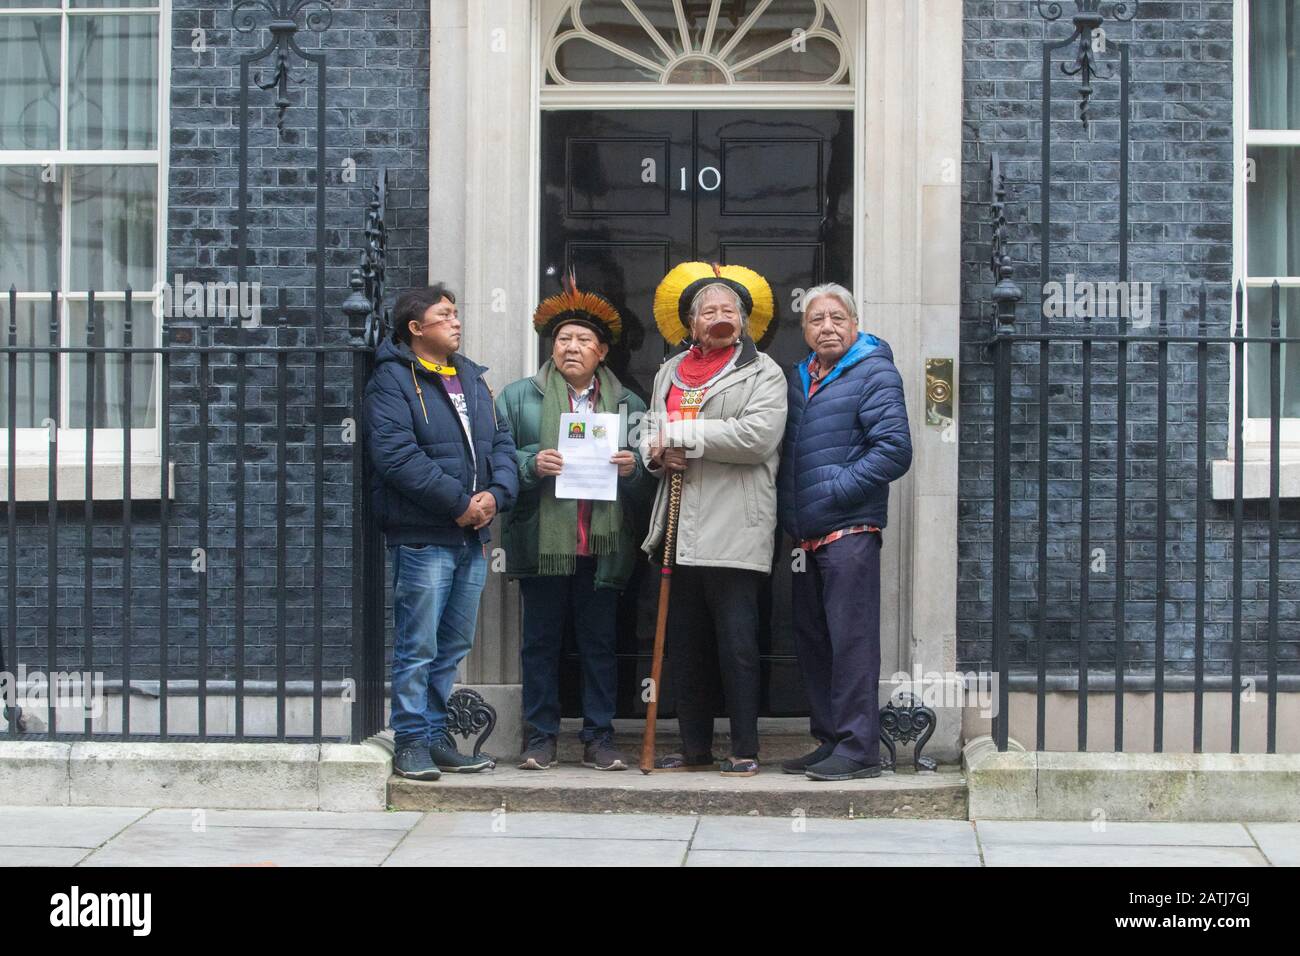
[800, 764]
[540, 754]
[413, 761]
[601, 754]
[841, 768]
[450, 760]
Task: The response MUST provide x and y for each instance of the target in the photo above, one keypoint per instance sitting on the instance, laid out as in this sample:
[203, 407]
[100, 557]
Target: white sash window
[82, 189]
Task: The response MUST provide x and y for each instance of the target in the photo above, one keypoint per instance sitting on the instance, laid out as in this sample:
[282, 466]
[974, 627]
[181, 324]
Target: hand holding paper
[587, 443]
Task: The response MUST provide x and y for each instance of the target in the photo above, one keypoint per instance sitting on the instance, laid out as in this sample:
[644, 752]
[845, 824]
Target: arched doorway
[720, 130]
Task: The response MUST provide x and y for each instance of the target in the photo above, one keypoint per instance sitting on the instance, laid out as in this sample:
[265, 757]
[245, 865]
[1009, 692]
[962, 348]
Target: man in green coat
[572, 556]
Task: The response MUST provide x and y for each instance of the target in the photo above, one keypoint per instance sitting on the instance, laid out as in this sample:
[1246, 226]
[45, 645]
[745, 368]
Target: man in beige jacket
[717, 415]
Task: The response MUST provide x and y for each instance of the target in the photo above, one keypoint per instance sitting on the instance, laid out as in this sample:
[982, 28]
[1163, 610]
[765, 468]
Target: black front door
[628, 194]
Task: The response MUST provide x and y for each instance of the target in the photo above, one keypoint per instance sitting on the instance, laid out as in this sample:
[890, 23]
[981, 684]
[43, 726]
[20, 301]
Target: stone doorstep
[578, 789]
[1137, 787]
[772, 747]
[254, 776]
[780, 738]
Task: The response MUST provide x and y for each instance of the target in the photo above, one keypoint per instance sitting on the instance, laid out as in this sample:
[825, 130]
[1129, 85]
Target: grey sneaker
[601, 754]
[413, 761]
[450, 760]
[540, 754]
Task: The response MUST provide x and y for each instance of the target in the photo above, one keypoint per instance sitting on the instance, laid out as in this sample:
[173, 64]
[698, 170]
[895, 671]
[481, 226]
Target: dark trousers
[549, 603]
[713, 640]
[837, 638]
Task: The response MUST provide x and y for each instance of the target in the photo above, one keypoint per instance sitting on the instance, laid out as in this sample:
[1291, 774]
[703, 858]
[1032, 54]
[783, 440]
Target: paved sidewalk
[114, 836]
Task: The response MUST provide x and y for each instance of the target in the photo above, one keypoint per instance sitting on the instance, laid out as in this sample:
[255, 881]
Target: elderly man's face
[717, 320]
[577, 352]
[828, 328]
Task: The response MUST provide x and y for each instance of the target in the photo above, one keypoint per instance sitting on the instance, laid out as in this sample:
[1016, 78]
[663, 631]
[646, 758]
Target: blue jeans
[435, 605]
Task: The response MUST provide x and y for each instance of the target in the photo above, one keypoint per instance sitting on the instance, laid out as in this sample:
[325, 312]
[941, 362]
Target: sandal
[677, 763]
[743, 767]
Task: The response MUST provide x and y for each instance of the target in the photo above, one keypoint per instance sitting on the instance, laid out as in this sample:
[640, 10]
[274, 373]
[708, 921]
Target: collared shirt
[812, 544]
[816, 375]
[581, 403]
[584, 401]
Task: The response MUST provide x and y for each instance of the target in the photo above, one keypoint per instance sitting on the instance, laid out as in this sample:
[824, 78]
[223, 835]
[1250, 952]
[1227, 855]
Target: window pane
[776, 25]
[111, 4]
[817, 61]
[108, 398]
[31, 226]
[1274, 80]
[113, 226]
[696, 71]
[32, 381]
[730, 16]
[1273, 211]
[1259, 312]
[27, 4]
[113, 87]
[581, 61]
[611, 20]
[29, 82]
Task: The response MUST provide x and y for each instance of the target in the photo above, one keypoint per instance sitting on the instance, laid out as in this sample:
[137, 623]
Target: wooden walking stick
[661, 622]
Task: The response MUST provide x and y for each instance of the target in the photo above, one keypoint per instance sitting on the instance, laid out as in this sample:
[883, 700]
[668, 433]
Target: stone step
[772, 747]
[780, 738]
[576, 789]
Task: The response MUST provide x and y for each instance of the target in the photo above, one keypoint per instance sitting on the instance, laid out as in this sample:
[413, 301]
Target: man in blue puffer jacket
[846, 439]
[443, 466]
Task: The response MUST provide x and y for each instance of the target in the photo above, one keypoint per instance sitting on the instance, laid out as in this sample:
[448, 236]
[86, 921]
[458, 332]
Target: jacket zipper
[464, 439]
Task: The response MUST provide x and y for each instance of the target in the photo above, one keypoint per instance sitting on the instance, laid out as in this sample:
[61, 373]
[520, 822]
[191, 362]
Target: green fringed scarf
[557, 544]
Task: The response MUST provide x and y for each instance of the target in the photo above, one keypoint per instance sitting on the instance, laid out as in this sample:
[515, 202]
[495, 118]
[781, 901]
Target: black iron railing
[265, 583]
[1110, 553]
[1146, 456]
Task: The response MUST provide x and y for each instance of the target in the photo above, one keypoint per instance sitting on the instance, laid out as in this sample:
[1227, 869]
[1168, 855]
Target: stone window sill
[1255, 478]
[32, 480]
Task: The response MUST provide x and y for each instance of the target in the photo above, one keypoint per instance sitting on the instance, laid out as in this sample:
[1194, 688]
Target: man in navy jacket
[846, 439]
[443, 466]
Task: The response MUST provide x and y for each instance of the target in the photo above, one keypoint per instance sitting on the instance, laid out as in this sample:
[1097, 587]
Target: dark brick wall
[1181, 221]
[377, 101]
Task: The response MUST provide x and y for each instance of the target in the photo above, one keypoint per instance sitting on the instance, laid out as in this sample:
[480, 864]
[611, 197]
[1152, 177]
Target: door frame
[484, 117]
[786, 96]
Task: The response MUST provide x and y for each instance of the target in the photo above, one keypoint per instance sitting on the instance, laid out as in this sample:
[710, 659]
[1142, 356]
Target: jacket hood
[864, 346]
[393, 351]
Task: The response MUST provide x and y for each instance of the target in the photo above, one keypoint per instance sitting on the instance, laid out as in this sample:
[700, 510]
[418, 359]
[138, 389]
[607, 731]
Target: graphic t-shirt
[451, 382]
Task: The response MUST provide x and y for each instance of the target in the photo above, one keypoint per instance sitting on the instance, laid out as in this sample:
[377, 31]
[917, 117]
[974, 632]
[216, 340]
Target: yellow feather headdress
[574, 305]
[673, 297]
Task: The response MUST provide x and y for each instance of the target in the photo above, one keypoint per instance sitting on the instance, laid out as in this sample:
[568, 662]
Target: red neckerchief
[696, 368]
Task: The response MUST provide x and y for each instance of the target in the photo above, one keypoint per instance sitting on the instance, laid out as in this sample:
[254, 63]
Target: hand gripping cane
[661, 622]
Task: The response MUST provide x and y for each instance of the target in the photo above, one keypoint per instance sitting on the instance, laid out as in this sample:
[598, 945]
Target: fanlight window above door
[697, 42]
